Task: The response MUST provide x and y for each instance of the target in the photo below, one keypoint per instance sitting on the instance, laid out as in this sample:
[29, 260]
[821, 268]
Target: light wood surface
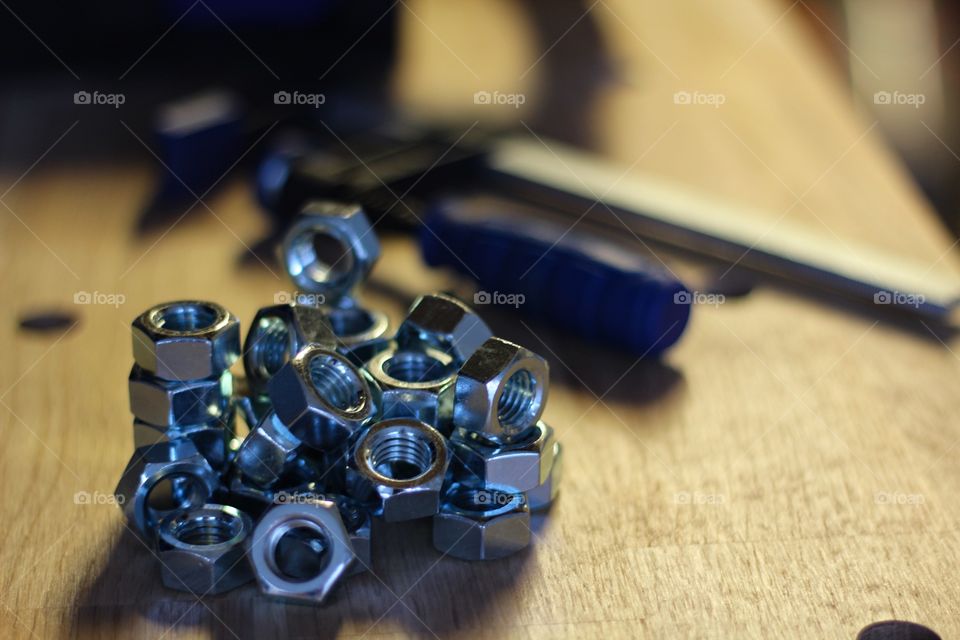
[788, 470]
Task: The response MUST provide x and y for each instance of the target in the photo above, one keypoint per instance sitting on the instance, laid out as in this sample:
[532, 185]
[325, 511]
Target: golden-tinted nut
[322, 397]
[277, 333]
[399, 466]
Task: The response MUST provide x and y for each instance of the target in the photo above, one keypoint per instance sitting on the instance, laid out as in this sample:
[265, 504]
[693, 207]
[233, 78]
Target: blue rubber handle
[581, 283]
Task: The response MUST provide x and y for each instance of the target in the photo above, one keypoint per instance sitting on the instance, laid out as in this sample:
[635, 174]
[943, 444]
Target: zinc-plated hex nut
[322, 397]
[300, 551]
[360, 332]
[354, 249]
[166, 403]
[415, 384]
[399, 465]
[501, 390]
[186, 340]
[481, 523]
[211, 439]
[542, 497]
[278, 332]
[202, 550]
[444, 323]
[521, 465]
[356, 518]
[267, 451]
[187, 476]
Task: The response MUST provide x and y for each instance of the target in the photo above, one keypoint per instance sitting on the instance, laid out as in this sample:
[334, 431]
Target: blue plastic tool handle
[590, 286]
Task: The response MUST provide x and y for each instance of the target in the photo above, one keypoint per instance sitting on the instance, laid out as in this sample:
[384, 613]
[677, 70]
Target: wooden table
[788, 470]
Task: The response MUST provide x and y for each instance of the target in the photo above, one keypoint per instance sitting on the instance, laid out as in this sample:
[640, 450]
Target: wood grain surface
[788, 470]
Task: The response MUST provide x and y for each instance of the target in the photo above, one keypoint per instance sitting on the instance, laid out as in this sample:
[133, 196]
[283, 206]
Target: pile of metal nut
[349, 426]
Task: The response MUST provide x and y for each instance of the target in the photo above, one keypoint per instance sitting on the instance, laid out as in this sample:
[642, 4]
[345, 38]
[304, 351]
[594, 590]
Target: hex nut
[329, 249]
[481, 524]
[277, 333]
[267, 451]
[415, 384]
[501, 390]
[398, 467]
[300, 551]
[211, 439]
[185, 474]
[322, 397]
[360, 332]
[521, 465]
[444, 323]
[167, 403]
[542, 497]
[186, 340]
[202, 551]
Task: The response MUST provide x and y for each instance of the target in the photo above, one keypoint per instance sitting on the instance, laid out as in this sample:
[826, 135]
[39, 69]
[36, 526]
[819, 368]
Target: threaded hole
[412, 366]
[402, 454]
[301, 554]
[271, 346]
[187, 317]
[320, 256]
[207, 529]
[350, 322]
[518, 401]
[336, 382]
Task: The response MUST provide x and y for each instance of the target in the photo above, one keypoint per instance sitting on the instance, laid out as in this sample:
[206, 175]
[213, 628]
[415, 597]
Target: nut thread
[518, 401]
[401, 455]
[206, 531]
[271, 346]
[335, 382]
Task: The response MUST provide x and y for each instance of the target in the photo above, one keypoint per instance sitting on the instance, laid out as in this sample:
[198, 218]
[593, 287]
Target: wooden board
[789, 470]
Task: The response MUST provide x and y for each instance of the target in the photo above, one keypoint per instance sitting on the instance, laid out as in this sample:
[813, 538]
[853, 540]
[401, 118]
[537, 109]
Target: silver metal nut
[330, 249]
[211, 439]
[202, 550]
[358, 522]
[267, 451]
[481, 524]
[165, 478]
[167, 403]
[301, 551]
[542, 497]
[186, 340]
[444, 323]
[415, 384]
[501, 390]
[521, 465]
[277, 333]
[322, 397]
[399, 465]
[360, 333]
[356, 518]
